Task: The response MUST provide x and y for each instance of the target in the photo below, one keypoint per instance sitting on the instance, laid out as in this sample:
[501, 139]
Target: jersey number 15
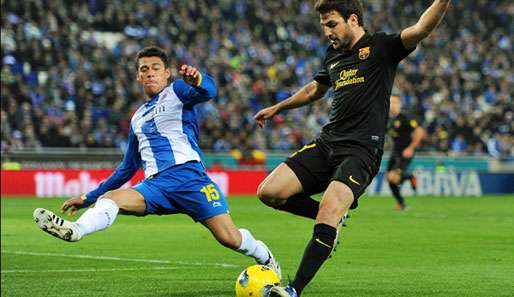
[211, 193]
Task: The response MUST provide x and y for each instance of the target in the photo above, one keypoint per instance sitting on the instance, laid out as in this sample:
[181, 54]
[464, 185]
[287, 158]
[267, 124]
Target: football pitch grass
[452, 246]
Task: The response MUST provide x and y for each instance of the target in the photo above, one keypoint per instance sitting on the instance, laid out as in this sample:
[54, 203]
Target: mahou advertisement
[67, 183]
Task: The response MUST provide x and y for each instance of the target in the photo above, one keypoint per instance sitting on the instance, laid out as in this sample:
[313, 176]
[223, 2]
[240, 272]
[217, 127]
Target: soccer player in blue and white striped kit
[163, 139]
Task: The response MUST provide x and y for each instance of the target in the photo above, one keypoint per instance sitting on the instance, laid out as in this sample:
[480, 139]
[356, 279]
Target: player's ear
[167, 72]
[353, 20]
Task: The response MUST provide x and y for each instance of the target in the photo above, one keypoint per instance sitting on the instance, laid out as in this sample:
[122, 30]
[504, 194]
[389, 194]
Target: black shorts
[398, 163]
[318, 163]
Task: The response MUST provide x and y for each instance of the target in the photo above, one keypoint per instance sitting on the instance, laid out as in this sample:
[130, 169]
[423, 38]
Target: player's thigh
[336, 201]
[394, 161]
[306, 171]
[200, 198]
[281, 184]
[129, 201]
[356, 172]
[223, 229]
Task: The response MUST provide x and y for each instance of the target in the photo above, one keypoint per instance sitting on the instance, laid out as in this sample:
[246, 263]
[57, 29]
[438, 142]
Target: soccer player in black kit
[360, 67]
[407, 136]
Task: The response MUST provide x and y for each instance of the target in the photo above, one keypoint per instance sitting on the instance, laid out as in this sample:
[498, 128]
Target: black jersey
[400, 130]
[362, 79]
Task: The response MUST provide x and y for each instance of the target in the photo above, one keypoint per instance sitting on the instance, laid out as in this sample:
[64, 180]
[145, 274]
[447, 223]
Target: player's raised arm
[428, 21]
[309, 93]
[195, 86]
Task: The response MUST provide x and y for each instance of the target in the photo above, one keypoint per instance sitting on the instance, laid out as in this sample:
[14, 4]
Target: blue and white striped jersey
[163, 133]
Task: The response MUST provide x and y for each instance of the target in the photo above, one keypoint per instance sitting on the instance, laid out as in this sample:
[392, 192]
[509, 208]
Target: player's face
[396, 106]
[337, 30]
[153, 75]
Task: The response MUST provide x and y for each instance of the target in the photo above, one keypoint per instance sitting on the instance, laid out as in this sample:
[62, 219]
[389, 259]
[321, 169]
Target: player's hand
[190, 74]
[408, 153]
[265, 114]
[73, 205]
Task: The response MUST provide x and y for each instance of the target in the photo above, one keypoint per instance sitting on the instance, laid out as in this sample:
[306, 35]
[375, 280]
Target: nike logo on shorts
[353, 180]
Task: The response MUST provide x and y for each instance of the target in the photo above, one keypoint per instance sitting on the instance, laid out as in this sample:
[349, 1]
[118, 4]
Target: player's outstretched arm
[123, 173]
[309, 93]
[412, 35]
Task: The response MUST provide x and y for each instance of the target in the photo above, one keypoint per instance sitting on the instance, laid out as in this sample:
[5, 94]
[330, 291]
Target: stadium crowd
[68, 71]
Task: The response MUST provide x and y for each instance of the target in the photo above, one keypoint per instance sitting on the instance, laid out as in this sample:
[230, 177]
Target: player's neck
[358, 34]
[150, 96]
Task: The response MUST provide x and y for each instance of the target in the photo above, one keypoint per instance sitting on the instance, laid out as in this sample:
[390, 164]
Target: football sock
[301, 205]
[316, 252]
[395, 189]
[253, 248]
[99, 217]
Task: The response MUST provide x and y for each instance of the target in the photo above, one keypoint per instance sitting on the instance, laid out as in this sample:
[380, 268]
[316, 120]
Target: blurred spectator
[68, 79]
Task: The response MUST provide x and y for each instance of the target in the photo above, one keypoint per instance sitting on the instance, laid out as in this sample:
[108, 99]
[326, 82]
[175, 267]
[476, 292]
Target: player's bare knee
[106, 195]
[334, 205]
[389, 176]
[109, 195]
[339, 205]
[331, 214]
[269, 196]
[393, 177]
[396, 179]
[271, 202]
[261, 192]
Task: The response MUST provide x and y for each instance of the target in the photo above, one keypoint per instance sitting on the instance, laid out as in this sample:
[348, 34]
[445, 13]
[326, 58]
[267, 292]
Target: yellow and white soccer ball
[256, 281]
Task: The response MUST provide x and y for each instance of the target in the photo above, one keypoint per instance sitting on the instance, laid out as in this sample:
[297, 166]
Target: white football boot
[56, 226]
[272, 262]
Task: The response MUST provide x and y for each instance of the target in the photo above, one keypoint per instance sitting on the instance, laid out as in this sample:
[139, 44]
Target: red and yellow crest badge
[364, 53]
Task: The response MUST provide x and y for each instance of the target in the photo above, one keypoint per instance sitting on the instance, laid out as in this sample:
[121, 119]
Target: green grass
[444, 247]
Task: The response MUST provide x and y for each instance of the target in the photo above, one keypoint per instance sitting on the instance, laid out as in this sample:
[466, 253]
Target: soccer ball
[256, 281]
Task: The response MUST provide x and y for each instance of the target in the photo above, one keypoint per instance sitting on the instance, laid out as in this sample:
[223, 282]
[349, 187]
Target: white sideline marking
[89, 270]
[119, 259]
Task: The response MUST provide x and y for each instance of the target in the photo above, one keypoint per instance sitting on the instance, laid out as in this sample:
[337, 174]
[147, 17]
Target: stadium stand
[68, 75]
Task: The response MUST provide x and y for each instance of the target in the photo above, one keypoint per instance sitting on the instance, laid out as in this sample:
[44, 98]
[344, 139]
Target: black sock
[395, 189]
[316, 252]
[405, 177]
[301, 205]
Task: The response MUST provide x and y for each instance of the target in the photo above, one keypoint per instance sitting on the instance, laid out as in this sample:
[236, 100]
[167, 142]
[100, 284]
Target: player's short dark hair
[152, 51]
[344, 7]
